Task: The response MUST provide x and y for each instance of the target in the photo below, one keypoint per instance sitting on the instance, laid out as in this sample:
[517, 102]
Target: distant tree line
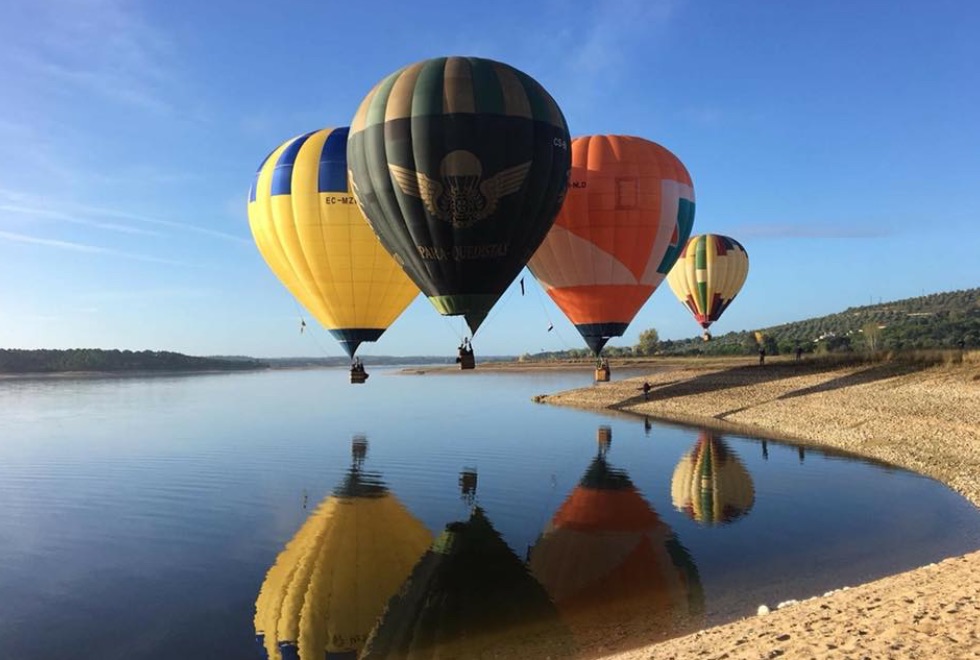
[375, 360]
[94, 359]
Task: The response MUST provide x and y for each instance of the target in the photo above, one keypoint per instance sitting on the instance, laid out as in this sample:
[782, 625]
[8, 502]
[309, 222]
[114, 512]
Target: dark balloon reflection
[469, 596]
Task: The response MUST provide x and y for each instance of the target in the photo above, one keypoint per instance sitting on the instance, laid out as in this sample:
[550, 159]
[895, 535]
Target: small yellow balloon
[708, 275]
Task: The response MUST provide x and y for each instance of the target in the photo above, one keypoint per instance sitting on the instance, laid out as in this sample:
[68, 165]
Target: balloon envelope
[708, 275]
[310, 232]
[629, 209]
[460, 164]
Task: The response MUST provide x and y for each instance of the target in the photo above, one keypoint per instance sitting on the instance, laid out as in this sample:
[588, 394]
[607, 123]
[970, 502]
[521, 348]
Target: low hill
[939, 320]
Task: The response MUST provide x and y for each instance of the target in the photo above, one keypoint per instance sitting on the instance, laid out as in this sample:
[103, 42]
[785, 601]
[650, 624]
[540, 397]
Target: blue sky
[838, 141]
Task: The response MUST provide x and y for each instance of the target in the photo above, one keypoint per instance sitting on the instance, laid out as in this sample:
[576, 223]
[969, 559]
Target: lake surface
[141, 517]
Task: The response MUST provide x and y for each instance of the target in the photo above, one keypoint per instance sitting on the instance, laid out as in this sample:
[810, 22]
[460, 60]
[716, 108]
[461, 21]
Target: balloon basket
[466, 360]
[602, 374]
[358, 377]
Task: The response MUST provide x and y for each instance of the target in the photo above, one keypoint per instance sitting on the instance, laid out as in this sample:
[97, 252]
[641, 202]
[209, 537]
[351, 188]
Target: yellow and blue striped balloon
[315, 239]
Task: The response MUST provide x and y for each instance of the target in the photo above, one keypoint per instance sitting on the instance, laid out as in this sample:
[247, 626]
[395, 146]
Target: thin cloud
[811, 230]
[103, 47]
[146, 294]
[704, 115]
[114, 85]
[11, 128]
[83, 247]
[615, 23]
[64, 217]
[62, 156]
[42, 318]
[42, 154]
[169, 223]
[590, 53]
[83, 214]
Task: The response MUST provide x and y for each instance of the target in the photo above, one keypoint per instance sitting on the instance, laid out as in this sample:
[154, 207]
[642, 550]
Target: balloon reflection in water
[710, 484]
[328, 587]
[469, 596]
[612, 566]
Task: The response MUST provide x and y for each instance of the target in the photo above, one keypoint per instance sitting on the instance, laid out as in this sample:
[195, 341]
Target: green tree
[649, 342]
[872, 336]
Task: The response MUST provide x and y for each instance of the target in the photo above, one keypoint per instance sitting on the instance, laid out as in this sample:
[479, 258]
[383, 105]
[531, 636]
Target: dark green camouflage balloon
[460, 164]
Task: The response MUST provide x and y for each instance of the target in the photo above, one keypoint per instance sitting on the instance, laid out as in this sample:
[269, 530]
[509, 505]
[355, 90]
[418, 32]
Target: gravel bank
[920, 417]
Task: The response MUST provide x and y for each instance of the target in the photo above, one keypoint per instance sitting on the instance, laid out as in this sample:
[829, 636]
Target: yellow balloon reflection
[710, 484]
[330, 584]
[612, 566]
[469, 596]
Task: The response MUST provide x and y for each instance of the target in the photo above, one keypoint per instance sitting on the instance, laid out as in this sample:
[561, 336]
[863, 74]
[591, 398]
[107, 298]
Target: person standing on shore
[762, 355]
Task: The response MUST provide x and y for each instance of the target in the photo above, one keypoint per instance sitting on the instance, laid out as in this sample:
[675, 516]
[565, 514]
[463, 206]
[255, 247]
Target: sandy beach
[920, 413]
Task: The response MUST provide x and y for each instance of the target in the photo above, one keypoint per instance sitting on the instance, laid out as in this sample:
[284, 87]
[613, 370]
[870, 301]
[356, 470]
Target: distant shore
[920, 412]
[145, 373]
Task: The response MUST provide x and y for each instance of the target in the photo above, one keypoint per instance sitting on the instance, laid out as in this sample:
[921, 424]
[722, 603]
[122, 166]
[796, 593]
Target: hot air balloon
[313, 237]
[460, 164]
[326, 590]
[710, 484]
[708, 274]
[470, 596]
[629, 209]
[612, 566]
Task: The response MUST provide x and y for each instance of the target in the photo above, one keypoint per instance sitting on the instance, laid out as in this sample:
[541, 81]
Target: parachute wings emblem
[460, 198]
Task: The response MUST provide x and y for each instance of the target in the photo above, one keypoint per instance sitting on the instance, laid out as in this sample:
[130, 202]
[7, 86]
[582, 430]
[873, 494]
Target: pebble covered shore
[916, 415]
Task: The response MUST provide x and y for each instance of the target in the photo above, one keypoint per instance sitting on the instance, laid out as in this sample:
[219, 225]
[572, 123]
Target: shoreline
[144, 373]
[921, 415]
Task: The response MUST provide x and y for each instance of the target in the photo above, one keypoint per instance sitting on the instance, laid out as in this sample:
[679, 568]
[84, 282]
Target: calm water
[140, 517]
